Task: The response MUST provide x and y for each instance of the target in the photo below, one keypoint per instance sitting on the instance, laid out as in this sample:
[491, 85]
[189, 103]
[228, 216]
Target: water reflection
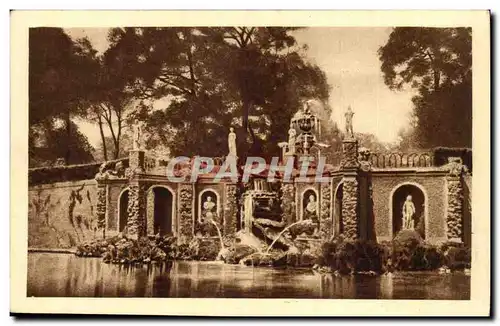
[59, 275]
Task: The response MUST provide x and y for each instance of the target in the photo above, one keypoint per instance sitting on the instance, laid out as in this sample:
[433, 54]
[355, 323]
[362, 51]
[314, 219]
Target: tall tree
[59, 81]
[209, 79]
[437, 63]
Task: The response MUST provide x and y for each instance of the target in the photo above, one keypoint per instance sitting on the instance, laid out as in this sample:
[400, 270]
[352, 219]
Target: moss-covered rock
[238, 252]
[271, 259]
[456, 256]
[357, 256]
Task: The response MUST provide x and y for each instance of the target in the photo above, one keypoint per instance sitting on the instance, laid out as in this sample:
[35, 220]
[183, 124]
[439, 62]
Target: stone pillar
[185, 212]
[350, 200]
[137, 160]
[288, 201]
[454, 212]
[230, 209]
[150, 213]
[136, 223]
[325, 220]
[101, 207]
[350, 214]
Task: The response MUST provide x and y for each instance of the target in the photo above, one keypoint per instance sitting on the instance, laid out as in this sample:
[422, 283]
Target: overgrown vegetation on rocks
[121, 250]
[406, 252]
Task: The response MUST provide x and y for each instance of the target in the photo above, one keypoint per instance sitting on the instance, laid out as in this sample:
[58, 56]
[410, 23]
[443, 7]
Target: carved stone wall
[185, 212]
[62, 214]
[350, 207]
[454, 211]
[288, 202]
[325, 210]
[231, 209]
[136, 224]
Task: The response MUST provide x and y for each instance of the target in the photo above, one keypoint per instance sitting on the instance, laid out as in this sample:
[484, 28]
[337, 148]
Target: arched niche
[209, 205]
[308, 196]
[209, 209]
[338, 227]
[397, 199]
[123, 209]
[160, 210]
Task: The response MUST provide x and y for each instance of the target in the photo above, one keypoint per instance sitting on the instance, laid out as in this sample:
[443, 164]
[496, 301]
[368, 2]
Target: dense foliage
[59, 83]
[175, 80]
[407, 252]
[437, 64]
[441, 155]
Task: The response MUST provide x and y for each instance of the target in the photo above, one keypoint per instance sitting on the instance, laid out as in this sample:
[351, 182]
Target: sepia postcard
[250, 163]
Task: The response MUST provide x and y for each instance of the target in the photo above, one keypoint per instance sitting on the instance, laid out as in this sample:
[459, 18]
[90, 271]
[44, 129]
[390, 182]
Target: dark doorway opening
[163, 204]
[337, 212]
[122, 223]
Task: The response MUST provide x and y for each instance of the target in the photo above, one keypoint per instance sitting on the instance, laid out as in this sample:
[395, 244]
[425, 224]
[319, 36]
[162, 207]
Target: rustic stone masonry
[350, 207]
[288, 202]
[136, 210]
[325, 223]
[349, 154]
[454, 212]
[150, 212]
[185, 212]
[350, 166]
[230, 209]
[136, 223]
[101, 206]
[136, 160]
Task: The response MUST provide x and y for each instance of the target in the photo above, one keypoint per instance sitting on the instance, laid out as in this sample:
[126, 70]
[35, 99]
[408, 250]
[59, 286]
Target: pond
[65, 275]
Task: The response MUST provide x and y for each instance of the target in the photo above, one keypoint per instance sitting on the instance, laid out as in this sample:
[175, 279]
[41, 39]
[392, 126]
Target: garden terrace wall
[62, 214]
[47, 175]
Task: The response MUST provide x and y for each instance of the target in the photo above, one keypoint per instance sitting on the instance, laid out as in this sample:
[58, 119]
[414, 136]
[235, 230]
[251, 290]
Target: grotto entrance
[414, 194]
[123, 212]
[160, 210]
[337, 210]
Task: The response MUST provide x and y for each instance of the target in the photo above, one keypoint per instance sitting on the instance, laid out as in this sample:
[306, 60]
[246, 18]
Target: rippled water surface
[64, 275]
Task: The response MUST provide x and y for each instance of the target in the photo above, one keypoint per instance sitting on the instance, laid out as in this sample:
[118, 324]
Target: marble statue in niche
[310, 209]
[408, 212]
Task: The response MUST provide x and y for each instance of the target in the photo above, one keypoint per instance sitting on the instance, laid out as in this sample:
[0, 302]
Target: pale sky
[348, 56]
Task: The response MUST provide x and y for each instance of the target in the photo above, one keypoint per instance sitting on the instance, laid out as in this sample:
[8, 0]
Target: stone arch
[160, 210]
[123, 199]
[203, 195]
[338, 196]
[304, 198]
[421, 201]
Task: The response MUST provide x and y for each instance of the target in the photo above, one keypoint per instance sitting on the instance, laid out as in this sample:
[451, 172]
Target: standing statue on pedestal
[231, 142]
[291, 141]
[137, 137]
[348, 122]
[408, 212]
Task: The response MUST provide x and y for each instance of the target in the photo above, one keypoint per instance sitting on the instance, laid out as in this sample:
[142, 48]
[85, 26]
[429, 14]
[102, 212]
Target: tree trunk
[437, 78]
[101, 131]
[67, 155]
